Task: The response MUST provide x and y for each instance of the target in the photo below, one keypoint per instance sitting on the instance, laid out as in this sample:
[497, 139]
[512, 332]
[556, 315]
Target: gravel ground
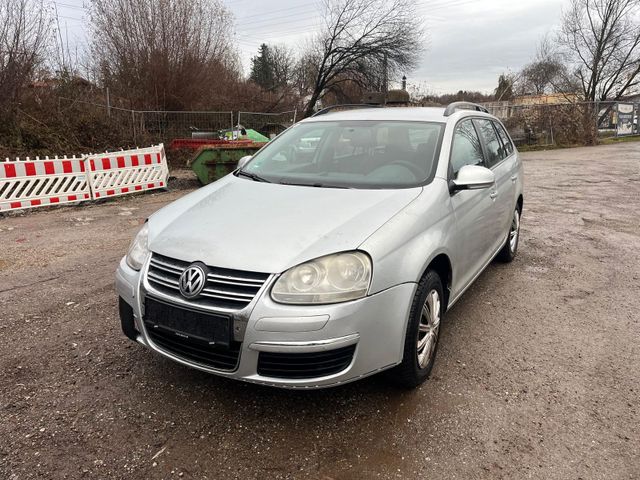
[536, 375]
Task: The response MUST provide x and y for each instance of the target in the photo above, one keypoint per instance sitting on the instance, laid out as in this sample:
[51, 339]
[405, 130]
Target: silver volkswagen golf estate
[333, 253]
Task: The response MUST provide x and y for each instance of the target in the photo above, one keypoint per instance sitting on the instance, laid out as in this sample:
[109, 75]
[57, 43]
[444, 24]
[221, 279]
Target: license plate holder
[189, 324]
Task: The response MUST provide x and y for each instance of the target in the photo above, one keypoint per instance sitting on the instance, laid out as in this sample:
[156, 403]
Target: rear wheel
[508, 252]
[421, 340]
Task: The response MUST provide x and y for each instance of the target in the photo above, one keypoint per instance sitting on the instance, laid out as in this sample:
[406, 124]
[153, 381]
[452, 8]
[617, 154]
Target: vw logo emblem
[192, 281]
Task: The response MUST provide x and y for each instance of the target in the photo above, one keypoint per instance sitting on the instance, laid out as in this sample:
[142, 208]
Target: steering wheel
[419, 174]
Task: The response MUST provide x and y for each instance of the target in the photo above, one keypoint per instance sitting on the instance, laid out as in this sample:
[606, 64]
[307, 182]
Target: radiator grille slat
[225, 289]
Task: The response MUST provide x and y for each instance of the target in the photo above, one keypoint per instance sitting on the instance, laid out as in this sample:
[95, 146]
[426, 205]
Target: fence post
[108, 104]
[295, 114]
[133, 125]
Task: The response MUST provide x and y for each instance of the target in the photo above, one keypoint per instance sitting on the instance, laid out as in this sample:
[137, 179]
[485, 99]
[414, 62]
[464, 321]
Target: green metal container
[213, 162]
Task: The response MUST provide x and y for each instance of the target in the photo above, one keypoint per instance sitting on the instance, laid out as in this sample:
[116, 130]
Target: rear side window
[506, 141]
[466, 148]
[495, 152]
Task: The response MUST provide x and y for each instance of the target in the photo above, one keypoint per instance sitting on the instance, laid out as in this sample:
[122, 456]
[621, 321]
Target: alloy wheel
[429, 327]
[515, 231]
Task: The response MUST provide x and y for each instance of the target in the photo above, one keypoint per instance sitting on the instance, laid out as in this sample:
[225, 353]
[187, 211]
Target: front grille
[225, 289]
[196, 351]
[305, 365]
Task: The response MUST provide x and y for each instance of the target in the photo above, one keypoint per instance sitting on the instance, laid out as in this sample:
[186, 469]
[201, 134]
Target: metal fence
[570, 123]
[268, 124]
[157, 126]
[165, 125]
[144, 126]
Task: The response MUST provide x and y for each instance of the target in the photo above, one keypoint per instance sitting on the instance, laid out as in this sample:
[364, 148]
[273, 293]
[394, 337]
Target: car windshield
[350, 154]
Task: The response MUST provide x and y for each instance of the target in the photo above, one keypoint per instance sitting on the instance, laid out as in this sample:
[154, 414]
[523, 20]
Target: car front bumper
[375, 325]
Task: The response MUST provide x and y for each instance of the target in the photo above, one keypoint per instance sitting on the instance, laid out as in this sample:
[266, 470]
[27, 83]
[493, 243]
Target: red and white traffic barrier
[120, 173]
[33, 183]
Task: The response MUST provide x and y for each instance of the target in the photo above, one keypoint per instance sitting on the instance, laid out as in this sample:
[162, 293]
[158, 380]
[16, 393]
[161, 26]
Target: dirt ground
[537, 374]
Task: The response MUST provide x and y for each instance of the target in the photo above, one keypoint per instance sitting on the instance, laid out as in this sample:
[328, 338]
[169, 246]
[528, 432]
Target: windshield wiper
[252, 176]
[318, 185]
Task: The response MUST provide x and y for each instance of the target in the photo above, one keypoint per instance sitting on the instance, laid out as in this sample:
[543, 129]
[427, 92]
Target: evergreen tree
[262, 68]
[505, 88]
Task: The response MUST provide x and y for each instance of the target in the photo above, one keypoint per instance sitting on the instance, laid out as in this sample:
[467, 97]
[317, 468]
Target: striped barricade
[119, 173]
[34, 183]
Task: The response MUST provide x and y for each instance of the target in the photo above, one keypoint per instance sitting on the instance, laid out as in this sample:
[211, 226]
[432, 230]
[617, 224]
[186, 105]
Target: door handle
[514, 178]
[493, 194]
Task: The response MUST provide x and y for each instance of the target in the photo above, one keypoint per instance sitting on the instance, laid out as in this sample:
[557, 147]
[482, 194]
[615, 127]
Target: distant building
[546, 99]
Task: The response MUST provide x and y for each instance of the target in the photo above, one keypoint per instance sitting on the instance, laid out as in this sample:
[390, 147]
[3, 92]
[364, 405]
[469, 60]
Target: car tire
[510, 248]
[426, 314]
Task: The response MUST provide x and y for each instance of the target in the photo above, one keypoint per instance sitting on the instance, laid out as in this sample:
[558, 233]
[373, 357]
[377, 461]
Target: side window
[495, 151]
[506, 141]
[466, 148]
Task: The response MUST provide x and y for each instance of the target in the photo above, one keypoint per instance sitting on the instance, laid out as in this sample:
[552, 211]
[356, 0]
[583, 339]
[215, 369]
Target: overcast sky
[470, 42]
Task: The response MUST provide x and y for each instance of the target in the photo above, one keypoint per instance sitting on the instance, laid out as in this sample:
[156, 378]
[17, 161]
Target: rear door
[496, 158]
[474, 209]
[511, 163]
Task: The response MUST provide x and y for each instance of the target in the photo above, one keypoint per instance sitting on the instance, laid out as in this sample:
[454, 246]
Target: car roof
[424, 114]
[407, 114]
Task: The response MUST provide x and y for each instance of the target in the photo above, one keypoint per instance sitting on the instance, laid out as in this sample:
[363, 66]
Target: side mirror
[244, 160]
[473, 177]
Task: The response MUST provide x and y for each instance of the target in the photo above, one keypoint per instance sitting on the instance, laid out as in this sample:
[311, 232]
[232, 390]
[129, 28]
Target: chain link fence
[557, 124]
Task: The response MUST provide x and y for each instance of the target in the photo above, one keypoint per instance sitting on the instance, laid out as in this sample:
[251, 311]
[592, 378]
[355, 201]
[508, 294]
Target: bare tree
[540, 76]
[24, 33]
[161, 53]
[601, 38]
[361, 41]
[65, 58]
[283, 65]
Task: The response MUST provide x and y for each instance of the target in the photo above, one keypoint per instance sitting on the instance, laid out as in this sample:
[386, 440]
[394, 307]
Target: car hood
[264, 227]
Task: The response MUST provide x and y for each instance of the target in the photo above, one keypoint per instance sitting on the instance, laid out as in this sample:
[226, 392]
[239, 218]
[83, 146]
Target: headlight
[331, 279]
[139, 249]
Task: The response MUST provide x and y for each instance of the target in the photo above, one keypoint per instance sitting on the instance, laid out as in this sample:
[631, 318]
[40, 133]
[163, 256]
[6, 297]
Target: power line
[302, 30]
[67, 5]
[270, 21]
[276, 12]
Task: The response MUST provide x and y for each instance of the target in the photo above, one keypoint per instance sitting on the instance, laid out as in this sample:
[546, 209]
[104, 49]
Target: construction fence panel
[166, 125]
[119, 173]
[34, 183]
[268, 124]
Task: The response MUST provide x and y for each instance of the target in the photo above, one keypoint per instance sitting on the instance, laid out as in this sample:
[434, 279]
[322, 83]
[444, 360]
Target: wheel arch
[441, 264]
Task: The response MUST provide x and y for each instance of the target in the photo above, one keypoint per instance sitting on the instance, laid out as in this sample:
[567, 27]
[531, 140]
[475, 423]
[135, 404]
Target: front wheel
[421, 339]
[508, 252]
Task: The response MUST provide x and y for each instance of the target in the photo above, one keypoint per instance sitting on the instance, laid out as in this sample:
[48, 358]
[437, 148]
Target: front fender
[402, 249]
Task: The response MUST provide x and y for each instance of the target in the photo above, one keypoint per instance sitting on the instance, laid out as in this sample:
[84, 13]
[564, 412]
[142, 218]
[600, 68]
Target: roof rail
[345, 105]
[455, 106]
